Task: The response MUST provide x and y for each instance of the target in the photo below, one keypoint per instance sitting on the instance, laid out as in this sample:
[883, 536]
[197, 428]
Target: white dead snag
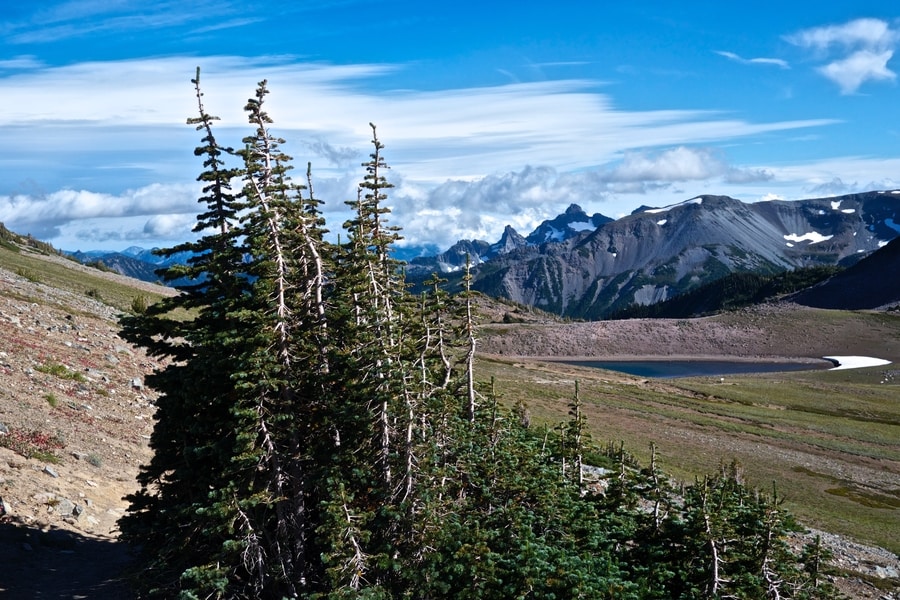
[470, 337]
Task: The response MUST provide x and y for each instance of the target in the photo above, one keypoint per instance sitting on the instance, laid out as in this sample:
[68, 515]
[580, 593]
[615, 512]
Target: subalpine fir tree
[230, 460]
[183, 514]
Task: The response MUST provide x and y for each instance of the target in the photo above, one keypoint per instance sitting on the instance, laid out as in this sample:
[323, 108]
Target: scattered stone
[65, 507]
[4, 430]
[886, 572]
[137, 383]
[50, 471]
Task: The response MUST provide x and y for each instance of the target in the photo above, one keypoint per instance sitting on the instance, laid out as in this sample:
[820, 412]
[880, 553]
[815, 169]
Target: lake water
[667, 369]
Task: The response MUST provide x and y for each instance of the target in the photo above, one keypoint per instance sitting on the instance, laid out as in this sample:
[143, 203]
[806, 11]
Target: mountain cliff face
[565, 226]
[570, 224]
[655, 254]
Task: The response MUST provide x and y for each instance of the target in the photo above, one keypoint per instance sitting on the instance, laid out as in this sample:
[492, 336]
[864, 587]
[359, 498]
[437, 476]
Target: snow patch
[653, 211]
[835, 204]
[555, 234]
[662, 222]
[813, 237]
[855, 362]
[848, 211]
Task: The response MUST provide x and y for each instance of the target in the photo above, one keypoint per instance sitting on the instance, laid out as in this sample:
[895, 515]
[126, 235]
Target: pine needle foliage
[320, 433]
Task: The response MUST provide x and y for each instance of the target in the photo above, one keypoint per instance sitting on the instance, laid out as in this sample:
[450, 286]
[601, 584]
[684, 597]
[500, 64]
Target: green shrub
[139, 304]
[61, 371]
[28, 274]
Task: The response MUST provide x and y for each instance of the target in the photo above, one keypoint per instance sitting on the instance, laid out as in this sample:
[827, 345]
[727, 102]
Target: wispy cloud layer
[469, 143]
[777, 62]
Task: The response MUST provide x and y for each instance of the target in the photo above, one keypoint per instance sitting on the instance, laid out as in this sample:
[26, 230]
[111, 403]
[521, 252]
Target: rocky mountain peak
[509, 241]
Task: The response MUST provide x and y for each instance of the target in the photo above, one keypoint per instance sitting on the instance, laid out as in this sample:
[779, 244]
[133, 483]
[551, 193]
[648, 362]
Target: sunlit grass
[81, 282]
[834, 423]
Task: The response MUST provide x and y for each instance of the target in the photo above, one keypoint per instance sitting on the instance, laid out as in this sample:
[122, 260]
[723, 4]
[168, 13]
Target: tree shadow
[58, 563]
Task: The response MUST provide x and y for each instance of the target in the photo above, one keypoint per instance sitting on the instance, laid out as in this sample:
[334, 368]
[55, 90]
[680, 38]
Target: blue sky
[492, 113]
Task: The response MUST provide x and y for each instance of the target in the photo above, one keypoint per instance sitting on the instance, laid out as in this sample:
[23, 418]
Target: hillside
[75, 417]
[871, 283]
[70, 382]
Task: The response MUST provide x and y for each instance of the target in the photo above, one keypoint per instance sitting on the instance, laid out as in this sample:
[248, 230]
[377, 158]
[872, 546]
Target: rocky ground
[75, 419]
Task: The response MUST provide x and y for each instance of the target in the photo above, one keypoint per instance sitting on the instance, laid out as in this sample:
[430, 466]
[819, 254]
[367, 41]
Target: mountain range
[657, 253]
[590, 266]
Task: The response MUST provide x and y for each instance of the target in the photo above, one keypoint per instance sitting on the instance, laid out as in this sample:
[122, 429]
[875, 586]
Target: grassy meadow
[68, 275]
[829, 441]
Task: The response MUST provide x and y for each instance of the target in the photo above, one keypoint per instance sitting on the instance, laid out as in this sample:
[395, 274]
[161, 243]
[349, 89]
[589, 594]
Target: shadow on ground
[58, 563]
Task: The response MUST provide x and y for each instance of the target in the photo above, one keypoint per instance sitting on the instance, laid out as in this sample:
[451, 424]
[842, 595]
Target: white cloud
[432, 136]
[44, 215]
[482, 207]
[681, 164]
[121, 125]
[868, 33]
[777, 62]
[858, 51]
[861, 66]
[677, 164]
[22, 62]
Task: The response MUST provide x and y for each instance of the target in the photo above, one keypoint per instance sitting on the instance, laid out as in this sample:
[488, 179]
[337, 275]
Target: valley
[825, 439]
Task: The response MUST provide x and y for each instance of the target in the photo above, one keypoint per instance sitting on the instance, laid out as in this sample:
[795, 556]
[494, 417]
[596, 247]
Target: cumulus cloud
[857, 51]
[341, 157]
[872, 33]
[44, 216]
[861, 66]
[483, 207]
[681, 164]
[676, 164]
